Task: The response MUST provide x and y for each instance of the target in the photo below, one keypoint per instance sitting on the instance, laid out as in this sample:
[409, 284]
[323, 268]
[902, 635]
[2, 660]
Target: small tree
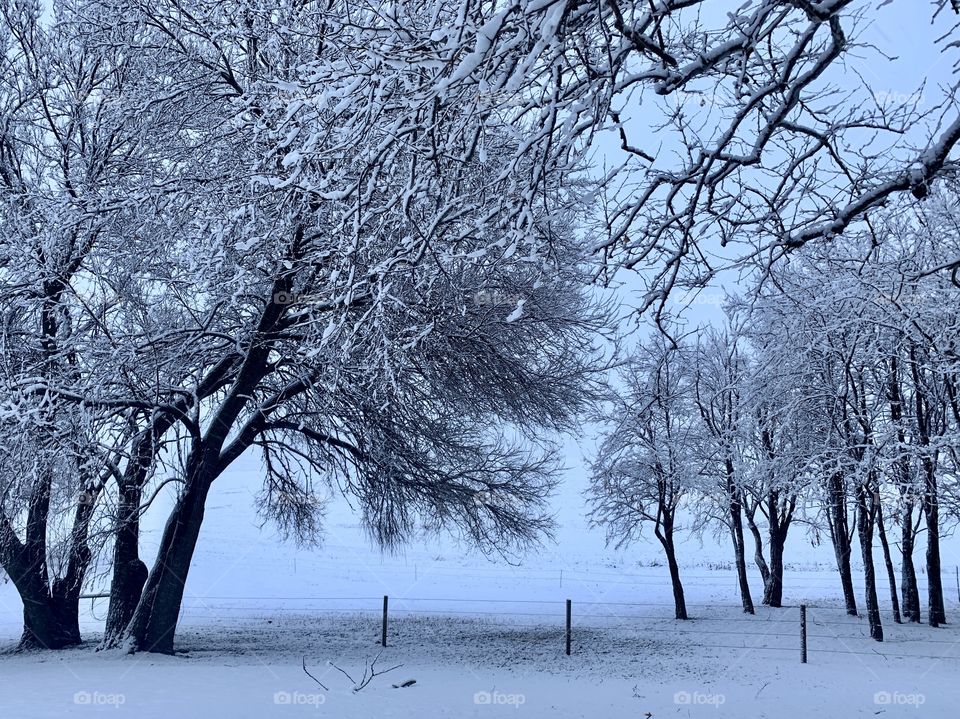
[646, 463]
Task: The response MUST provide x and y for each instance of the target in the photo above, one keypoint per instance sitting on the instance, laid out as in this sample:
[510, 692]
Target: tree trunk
[908, 573]
[680, 604]
[129, 572]
[888, 561]
[758, 557]
[935, 606]
[666, 539]
[739, 551]
[51, 615]
[50, 621]
[773, 589]
[865, 521]
[154, 620]
[840, 537]
[736, 535]
[49, 624]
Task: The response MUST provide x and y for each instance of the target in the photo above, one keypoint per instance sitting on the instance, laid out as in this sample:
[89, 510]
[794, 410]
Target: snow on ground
[484, 666]
[485, 639]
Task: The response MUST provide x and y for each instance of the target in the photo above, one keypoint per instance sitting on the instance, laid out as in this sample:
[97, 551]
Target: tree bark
[736, 535]
[840, 537]
[908, 573]
[739, 551]
[48, 624]
[758, 557]
[51, 615]
[865, 521]
[129, 572]
[679, 602]
[888, 562]
[154, 620]
[773, 591]
[935, 605]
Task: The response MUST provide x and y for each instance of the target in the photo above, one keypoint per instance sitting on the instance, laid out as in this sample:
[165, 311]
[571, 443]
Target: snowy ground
[485, 639]
[639, 661]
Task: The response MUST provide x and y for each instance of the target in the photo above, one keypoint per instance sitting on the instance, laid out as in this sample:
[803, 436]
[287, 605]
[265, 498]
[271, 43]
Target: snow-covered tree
[647, 461]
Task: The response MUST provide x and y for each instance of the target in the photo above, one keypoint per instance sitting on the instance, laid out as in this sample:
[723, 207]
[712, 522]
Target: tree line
[826, 403]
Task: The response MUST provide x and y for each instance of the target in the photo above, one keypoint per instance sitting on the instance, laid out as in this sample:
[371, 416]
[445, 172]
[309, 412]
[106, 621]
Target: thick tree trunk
[773, 589]
[49, 624]
[888, 562]
[129, 572]
[51, 615]
[926, 428]
[50, 620]
[843, 550]
[865, 522]
[908, 573]
[154, 620]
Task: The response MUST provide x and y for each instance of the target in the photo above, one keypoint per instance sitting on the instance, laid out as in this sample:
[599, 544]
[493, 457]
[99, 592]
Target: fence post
[569, 612]
[383, 630]
[803, 633]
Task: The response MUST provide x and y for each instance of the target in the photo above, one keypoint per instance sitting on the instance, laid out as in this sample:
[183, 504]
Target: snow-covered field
[486, 639]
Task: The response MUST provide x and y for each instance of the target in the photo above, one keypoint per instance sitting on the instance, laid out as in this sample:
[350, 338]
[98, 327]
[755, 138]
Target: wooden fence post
[383, 630]
[569, 612]
[803, 633]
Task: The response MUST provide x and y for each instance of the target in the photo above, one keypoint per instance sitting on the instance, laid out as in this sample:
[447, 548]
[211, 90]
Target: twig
[307, 672]
[369, 672]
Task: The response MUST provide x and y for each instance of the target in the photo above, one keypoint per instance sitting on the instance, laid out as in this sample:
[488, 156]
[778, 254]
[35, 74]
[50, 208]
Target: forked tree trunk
[154, 622]
[51, 615]
[758, 557]
[736, 535]
[865, 521]
[908, 573]
[931, 500]
[739, 552]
